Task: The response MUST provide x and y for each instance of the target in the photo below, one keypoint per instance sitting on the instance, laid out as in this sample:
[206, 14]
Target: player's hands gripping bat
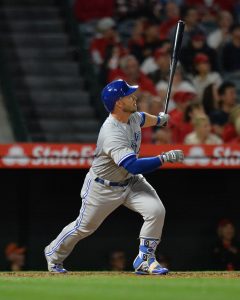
[164, 118]
[174, 59]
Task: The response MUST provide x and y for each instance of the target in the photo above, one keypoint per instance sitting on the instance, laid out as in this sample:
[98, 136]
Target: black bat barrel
[175, 54]
[178, 40]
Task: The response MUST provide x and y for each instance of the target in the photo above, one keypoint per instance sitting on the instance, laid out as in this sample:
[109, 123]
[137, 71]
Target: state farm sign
[81, 155]
[46, 156]
[219, 156]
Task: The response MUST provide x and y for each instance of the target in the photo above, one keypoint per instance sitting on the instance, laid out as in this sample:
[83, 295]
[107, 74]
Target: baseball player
[115, 179]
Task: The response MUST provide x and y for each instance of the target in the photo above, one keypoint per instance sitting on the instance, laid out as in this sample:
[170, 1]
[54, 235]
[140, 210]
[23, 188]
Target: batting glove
[173, 156]
[162, 119]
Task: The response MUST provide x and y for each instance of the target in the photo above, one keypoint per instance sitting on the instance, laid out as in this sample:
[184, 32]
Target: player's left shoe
[148, 267]
[56, 268]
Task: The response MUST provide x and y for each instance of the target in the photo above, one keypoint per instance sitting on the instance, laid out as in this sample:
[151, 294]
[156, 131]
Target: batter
[115, 179]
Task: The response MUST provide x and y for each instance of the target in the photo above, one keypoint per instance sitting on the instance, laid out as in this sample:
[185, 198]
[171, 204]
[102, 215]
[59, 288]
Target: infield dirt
[125, 274]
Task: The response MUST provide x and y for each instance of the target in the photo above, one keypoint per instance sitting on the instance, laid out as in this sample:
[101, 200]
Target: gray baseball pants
[98, 201]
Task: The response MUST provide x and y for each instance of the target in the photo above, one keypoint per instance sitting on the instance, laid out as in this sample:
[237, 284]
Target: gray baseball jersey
[116, 142]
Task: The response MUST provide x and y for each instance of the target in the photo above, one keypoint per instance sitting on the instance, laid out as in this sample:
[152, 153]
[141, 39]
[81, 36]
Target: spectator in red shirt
[16, 256]
[182, 100]
[107, 37]
[113, 56]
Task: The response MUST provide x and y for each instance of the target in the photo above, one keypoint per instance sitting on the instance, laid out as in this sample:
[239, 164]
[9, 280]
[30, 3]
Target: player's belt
[112, 183]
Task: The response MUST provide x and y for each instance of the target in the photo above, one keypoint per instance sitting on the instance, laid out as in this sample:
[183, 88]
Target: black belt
[112, 183]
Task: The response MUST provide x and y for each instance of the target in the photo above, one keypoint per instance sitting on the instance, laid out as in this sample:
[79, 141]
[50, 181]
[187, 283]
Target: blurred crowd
[224, 253]
[132, 40]
[15, 257]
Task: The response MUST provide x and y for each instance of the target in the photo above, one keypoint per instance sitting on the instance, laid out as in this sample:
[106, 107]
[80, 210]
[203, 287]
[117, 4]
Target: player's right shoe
[148, 267]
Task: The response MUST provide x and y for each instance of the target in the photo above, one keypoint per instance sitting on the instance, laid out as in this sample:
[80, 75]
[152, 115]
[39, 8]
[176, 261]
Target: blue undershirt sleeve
[141, 165]
[143, 118]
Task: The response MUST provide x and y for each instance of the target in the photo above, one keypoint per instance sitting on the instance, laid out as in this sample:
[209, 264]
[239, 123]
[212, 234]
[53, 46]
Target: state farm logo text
[48, 156]
[226, 156]
[220, 156]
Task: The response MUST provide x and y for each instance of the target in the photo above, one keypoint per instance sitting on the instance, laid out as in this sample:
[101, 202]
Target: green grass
[114, 286]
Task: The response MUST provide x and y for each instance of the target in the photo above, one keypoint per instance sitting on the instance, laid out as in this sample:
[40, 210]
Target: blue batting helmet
[114, 91]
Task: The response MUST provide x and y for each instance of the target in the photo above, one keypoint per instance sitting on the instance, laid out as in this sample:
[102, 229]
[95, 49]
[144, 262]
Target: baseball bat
[174, 59]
